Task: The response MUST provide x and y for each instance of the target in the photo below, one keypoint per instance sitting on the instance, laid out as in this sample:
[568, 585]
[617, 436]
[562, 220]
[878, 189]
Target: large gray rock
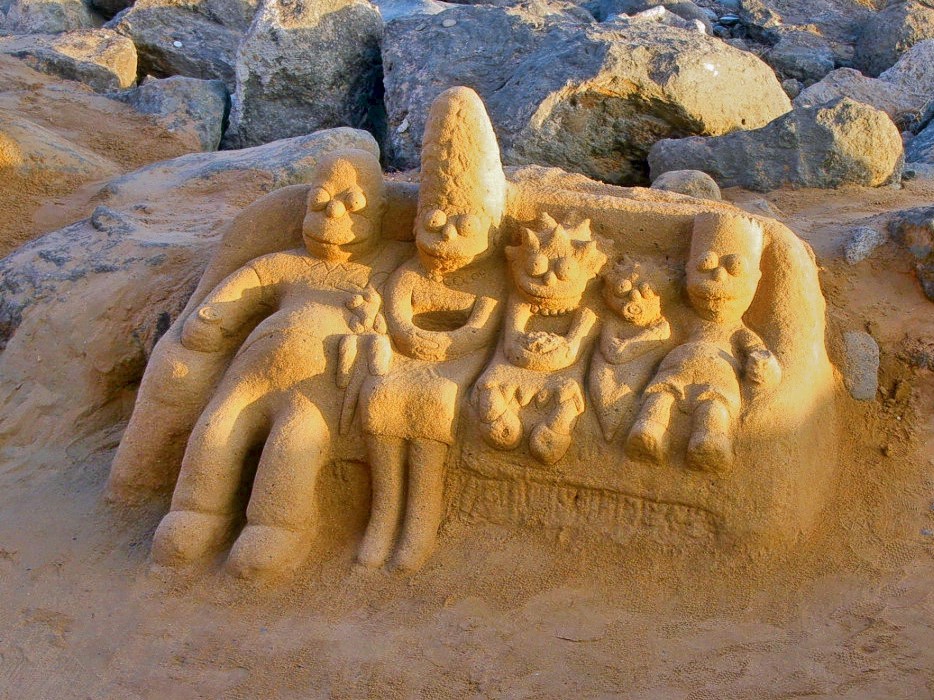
[801, 55]
[904, 91]
[685, 9]
[47, 16]
[187, 107]
[889, 33]
[563, 91]
[844, 142]
[921, 148]
[303, 67]
[196, 39]
[914, 230]
[99, 58]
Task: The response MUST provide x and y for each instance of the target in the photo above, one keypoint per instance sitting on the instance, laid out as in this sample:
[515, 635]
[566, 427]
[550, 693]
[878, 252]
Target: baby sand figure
[544, 332]
[632, 342]
[703, 375]
[278, 391]
[442, 315]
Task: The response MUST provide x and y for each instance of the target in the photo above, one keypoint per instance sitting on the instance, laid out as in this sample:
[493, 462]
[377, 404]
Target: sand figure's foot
[375, 549]
[504, 433]
[414, 550]
[647, 442]
[710, 452]
[264, 552]
[547, 445]
[185, 536]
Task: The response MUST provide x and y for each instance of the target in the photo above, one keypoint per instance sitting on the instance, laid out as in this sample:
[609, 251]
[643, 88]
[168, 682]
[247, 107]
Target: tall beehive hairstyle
[461, 168]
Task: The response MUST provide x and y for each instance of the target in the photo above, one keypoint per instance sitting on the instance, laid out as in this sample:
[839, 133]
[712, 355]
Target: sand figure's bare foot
[547, 445]
[376, 547]
[710, 452]
[264, 552]
[185, 536]
[647, 441]
[414, 549]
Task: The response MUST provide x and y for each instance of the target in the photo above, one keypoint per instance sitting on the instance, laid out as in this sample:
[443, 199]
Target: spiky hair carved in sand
[554, 262]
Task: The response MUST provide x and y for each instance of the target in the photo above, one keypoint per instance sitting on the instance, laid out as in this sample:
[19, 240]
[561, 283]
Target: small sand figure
[702, 376]
[544, 332]
[280, 390]
[632, 341]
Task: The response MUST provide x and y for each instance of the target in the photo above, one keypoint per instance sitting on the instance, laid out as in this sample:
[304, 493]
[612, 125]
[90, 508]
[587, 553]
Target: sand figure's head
[630, 295]
[723, 268]
[345, 205]
[551, 266]
[462, 191]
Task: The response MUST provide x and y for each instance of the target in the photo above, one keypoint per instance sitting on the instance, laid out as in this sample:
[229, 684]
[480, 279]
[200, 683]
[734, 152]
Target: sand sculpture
[514, 345]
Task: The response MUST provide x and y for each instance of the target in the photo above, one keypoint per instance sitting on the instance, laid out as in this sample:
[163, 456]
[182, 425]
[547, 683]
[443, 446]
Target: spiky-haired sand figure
[544, 332]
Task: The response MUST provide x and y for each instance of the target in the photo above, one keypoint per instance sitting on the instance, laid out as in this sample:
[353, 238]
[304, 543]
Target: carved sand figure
[442, 315]
[544, 333]
[277, 390]
[702, 376]
[632, 342]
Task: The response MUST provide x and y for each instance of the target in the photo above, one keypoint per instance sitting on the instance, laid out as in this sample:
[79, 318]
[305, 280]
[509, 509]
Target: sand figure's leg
[551, 438]
[499, 426]
[205, 500]
[282, 505]
[424, 503]
[387, 466]
[711, 445]
[648, 439]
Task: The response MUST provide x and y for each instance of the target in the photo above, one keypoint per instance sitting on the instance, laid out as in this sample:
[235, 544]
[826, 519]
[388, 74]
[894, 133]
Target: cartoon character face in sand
[345, 206]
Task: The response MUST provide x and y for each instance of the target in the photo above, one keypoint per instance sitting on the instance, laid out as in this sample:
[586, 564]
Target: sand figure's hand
[202, 331]
[762, 368]
[366, 304]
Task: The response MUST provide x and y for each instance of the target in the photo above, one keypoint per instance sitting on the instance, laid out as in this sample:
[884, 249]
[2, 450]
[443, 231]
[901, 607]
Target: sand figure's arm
[235, 301]
[618, 349]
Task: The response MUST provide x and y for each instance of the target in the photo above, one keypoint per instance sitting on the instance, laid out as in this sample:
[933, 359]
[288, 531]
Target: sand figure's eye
[435, 219]
[355, 200]
[468, 226]
[318, 199]
[733, 264]
[537, 265]
[565, 268]
[708, 262]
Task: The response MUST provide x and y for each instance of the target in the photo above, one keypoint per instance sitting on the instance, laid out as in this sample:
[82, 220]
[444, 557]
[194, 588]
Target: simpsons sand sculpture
[511, 345]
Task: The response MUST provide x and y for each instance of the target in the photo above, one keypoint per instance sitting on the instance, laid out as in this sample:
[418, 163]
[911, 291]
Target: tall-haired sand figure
[277, 392]
[441, 325]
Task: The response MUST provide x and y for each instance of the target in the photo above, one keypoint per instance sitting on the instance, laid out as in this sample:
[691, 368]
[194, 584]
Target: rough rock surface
[861, 367]
[889, 33]
[304, 67]
[690, 182]
[921, 148]
[914, 230]
[27, 147]
[561, 91]
[844, 142]
[802, 56]
[685, 9]
[187, 107]
[860, 244]
[41, 17]
[99, 58]
[181, 40]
